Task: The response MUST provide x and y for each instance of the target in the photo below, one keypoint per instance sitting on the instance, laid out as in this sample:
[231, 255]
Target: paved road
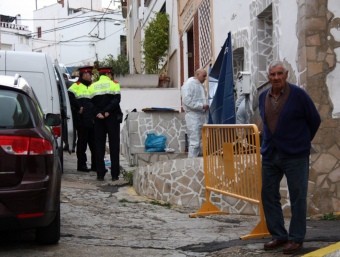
[109, 219]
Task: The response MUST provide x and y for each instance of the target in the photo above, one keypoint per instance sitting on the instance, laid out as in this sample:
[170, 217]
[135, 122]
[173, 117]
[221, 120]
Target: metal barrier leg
[207, 208]
[260, 230]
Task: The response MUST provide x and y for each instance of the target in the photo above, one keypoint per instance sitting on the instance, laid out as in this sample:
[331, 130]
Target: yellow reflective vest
[104, 86]
[79, 90]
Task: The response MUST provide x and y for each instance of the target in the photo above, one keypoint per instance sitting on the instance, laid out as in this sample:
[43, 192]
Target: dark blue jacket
[296, 127]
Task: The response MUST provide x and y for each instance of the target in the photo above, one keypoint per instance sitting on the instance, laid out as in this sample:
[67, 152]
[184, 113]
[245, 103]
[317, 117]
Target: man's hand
[106, 114]
[81, 110]
[100, 116]
[205, 107]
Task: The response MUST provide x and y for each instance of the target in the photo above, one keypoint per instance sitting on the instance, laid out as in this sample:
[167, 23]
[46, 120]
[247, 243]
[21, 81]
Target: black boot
[83, 168]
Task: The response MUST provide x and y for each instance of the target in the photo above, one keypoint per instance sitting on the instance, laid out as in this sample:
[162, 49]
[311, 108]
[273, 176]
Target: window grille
[205, 33]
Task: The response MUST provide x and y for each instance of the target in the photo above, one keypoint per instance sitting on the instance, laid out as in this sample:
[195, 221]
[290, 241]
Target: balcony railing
[13, 26]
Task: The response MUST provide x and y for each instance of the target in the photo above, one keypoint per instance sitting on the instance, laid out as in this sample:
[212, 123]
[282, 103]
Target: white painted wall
[235, 16]
[80, 38]
[47, 19]
[228, 16]
[172, 7]
[14, 39]
[288, 44]
[147, 98]
[150, 97]
[333, 77]
[89, 4]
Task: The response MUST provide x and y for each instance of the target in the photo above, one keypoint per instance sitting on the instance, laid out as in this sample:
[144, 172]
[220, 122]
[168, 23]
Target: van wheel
[51, 233]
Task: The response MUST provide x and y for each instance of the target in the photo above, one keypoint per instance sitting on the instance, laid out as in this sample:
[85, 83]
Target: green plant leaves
[120, 65]
[156, 43]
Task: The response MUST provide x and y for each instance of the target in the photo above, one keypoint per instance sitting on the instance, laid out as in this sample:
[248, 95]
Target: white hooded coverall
[193, 98]
[241, 113]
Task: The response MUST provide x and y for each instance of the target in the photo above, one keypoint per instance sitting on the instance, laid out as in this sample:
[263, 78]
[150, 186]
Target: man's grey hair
[275, 64]
[199, 71]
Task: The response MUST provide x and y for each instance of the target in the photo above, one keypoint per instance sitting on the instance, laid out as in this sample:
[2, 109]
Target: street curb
[329, 251]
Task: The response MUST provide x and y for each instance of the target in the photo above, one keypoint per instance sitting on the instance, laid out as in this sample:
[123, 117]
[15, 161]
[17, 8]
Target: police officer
[105, 94]
[83, 119]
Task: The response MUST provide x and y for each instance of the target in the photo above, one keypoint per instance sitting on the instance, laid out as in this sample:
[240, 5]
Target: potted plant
[155, 46]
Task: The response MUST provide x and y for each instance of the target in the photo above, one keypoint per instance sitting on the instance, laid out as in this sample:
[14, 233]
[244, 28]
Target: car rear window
[15, 110]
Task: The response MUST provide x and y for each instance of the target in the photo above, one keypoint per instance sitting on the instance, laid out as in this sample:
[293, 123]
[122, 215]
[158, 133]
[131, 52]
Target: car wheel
[51, 233]
[61, 158]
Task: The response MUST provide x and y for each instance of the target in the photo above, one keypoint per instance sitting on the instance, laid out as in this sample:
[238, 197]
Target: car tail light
[30, 215]
[57, 130]
[20, 145]
[40, 146]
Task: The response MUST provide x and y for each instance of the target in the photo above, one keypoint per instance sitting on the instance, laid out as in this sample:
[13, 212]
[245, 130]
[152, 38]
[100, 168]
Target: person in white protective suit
[195, 106]
[241, 113]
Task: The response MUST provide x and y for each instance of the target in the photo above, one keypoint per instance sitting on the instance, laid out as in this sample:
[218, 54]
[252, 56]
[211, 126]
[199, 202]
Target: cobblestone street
[109, 219]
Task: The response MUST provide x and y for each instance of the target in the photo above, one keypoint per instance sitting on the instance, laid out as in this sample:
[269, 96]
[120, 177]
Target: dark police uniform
[79, 97]
[105, 95]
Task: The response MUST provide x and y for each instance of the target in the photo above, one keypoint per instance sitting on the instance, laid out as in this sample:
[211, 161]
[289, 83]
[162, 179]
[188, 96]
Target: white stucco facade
[78, 32]
[232, 17]
[333, 77]
[287, 27]
[137, 20]
[15, 36]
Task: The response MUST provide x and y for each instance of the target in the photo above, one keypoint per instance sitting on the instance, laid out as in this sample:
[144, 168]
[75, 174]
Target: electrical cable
[101, 17]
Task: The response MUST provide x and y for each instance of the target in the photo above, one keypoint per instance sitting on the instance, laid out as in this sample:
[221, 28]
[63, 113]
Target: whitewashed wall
[333, 77]
[147, 98]
[78, 44]
[238, 17]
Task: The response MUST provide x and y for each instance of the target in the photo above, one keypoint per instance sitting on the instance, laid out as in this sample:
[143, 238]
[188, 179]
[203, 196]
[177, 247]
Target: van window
[42, 89]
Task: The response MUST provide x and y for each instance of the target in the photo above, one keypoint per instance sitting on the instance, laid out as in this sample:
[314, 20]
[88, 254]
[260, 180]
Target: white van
[48, 84]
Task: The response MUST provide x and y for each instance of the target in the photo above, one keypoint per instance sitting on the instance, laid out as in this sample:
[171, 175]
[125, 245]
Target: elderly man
[195, 107]
[290, 122]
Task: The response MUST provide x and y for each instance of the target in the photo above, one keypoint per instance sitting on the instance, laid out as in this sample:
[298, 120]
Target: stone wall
[181, 182]
[317, 60]
[170, 177]
[139, 124]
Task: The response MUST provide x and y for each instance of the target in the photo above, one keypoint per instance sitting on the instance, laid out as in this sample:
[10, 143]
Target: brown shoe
[275, 243]
[291, 247]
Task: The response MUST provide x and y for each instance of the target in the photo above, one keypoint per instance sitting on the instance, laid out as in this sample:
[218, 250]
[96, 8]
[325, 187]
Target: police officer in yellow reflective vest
[105, 94]
[83, 119]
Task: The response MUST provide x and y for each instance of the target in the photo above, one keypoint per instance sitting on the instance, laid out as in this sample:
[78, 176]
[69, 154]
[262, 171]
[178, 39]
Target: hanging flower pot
[164, 81]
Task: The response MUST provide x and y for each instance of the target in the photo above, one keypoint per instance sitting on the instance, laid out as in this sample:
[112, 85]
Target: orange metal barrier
[232, 167]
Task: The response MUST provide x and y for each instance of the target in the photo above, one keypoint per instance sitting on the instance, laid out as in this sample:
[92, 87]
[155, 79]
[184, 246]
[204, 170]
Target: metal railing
[232, 167]
[13, 26]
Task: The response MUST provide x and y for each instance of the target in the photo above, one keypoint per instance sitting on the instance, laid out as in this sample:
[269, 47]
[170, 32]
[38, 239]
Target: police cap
[105, 70]
[85, 69]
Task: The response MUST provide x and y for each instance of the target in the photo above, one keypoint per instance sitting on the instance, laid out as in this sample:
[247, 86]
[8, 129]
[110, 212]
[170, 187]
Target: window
[39, 32]
[18, 110]
[146, 3]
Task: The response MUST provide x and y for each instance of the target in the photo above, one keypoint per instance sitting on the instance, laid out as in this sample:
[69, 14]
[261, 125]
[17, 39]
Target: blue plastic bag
[154, 143]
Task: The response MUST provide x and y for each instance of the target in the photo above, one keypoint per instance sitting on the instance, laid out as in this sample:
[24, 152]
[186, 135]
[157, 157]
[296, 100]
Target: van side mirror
[52, 119]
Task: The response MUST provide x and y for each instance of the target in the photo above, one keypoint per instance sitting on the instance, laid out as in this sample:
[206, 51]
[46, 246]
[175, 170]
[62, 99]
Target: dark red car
[30, 170]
